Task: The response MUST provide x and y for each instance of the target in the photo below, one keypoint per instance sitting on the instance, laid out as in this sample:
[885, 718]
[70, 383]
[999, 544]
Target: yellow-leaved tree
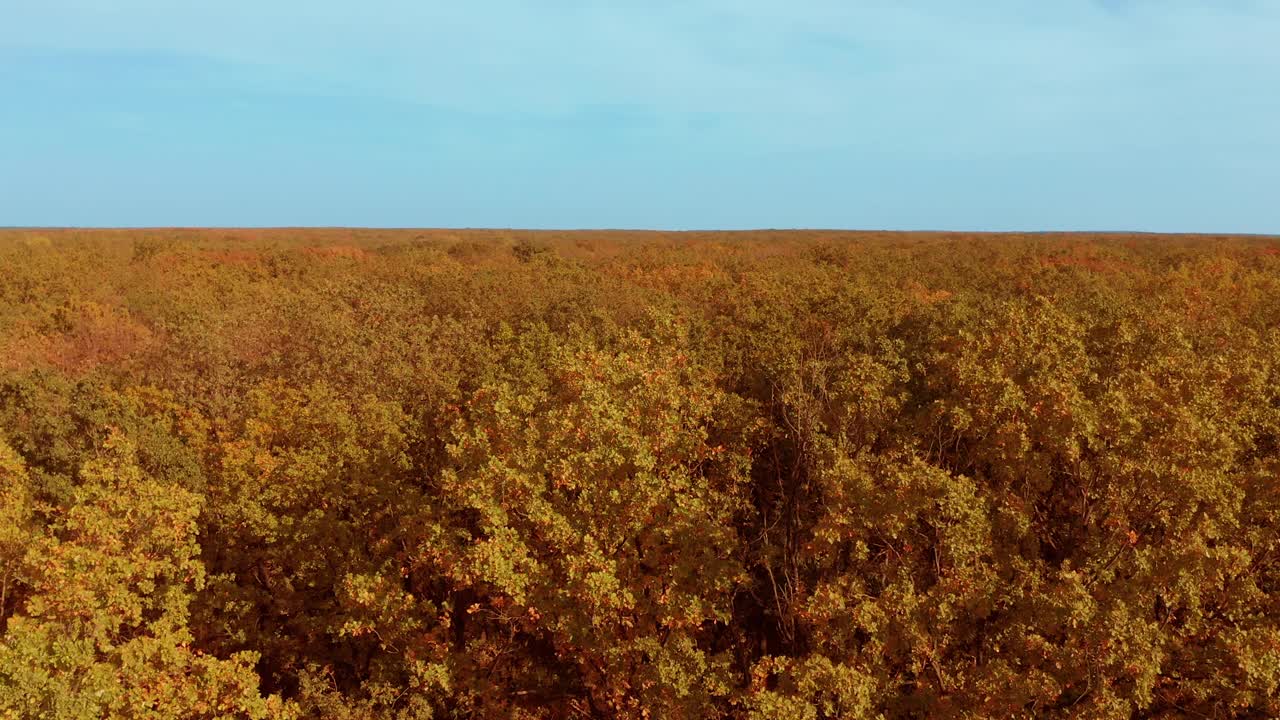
[101, 631]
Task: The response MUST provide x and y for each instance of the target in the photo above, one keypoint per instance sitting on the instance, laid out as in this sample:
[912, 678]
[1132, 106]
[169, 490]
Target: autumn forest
[359, 474]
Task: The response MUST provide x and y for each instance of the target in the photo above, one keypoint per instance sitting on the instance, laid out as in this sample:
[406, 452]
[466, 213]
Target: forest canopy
[359, 474]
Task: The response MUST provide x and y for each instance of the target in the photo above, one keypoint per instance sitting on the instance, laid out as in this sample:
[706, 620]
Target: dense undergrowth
[402, 474]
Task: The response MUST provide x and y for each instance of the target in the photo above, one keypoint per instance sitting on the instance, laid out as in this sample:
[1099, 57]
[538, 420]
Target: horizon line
[425, 228]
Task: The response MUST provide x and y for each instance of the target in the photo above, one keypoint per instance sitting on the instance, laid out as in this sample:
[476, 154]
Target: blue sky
[1158, 115]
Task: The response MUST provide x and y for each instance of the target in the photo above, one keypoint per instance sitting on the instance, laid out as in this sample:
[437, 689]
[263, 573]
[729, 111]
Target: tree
[103, 630]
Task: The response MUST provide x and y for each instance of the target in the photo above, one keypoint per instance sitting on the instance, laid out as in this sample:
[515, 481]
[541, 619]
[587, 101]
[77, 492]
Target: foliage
[403, 474]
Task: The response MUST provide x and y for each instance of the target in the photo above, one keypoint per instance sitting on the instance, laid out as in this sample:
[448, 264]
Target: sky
[1150, 115]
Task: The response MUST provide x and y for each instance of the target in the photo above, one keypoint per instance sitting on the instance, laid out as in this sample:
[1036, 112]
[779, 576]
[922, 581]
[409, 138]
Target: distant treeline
[359, 474]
